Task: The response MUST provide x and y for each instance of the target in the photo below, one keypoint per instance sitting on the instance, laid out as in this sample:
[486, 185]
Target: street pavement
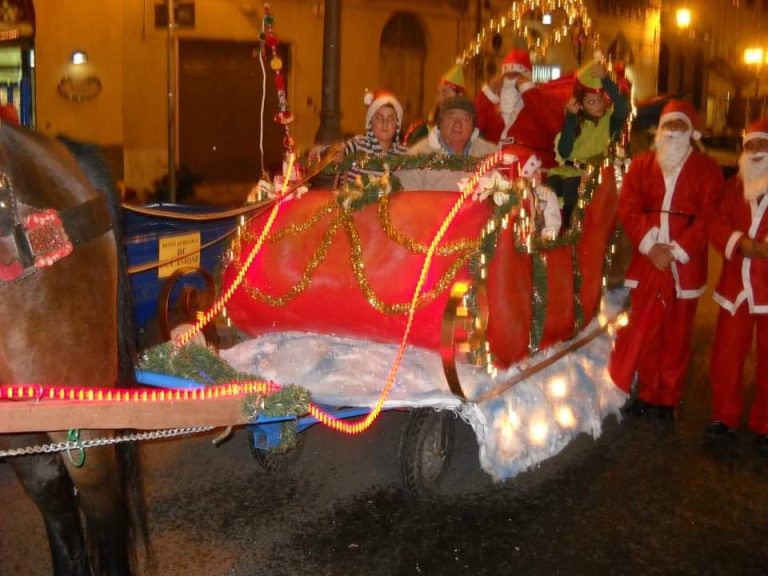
[646, 497]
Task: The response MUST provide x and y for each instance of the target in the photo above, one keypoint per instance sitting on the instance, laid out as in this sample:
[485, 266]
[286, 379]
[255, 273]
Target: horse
[65, 309]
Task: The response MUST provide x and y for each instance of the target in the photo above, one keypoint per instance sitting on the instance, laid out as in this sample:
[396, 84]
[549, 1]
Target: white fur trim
[529, 168]
[731, 244]
[754, 136]
[490, 94]
[515, 68]
[680, 254]
[691, 294]
[695, 134]
[383, 101]
[650, 238]
[727, 304]
[523, 87]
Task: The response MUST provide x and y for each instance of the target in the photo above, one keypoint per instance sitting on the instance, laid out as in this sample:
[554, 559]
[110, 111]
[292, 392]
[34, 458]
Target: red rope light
[90, 394]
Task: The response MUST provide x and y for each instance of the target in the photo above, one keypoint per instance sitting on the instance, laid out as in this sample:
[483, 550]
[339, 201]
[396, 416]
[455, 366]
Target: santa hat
[379, 98]
[586, 82]
[758, 129]
[681, 110]
[529, 164]
[518, 61]
[454, 78]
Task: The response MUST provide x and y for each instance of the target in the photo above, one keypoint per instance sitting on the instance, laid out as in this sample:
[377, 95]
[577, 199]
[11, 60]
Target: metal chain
[83, 444]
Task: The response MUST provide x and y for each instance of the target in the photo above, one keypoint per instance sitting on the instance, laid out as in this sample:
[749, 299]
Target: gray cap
[459, 103]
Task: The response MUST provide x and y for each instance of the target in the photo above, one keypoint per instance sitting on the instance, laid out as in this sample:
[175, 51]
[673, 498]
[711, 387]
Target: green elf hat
[455, 78]
[586, 82]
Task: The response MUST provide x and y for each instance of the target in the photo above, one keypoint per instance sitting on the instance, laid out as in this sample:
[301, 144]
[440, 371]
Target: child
[588, 130]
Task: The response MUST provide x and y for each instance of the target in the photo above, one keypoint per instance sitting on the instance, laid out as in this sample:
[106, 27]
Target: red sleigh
[352, 273]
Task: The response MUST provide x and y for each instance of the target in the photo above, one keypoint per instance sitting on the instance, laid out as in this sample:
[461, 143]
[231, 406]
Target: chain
[83, 444]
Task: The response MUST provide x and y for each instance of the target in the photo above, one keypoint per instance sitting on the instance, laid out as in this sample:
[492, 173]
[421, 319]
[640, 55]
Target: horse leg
[101, 499]
[47, 483]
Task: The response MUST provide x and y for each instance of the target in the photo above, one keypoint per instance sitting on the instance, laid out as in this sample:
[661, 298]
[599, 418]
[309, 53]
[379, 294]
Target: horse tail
[95, 166]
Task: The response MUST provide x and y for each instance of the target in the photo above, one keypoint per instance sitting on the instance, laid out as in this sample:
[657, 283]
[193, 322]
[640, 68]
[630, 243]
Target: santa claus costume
[667, 200]
[520, 114]
[740, 232]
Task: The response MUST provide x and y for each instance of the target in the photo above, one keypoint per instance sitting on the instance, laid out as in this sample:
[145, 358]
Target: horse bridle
[33, 238]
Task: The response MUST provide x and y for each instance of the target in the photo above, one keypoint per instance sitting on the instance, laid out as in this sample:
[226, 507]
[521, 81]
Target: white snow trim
[731, 244]
[570, 397]
[490, 94]
[651, 237]
[680, 254]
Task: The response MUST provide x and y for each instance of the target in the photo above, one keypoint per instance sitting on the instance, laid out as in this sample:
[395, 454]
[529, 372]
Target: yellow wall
[129, 56]
[99, 26]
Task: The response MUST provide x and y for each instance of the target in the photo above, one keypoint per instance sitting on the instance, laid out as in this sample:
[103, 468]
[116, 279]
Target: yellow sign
[177, 252]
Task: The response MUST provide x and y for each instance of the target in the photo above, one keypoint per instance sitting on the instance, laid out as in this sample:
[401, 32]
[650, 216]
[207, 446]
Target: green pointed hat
[455, 78]
[588, 82]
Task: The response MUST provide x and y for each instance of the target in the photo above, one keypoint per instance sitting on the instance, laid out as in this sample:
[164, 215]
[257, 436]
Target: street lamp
[755, 57]
[683, 18]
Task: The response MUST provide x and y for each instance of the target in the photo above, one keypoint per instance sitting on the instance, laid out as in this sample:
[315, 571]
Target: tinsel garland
[538, 299]
[464, 251]
[578, 309]
[367, 162]
[201, 364]
[537, 247]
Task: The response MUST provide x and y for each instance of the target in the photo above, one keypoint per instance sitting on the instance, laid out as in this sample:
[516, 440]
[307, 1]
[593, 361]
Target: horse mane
[94, 165]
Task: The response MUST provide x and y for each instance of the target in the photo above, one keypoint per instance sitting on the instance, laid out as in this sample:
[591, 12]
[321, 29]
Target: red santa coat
[535, 127]
[742, 279]
[651, 213]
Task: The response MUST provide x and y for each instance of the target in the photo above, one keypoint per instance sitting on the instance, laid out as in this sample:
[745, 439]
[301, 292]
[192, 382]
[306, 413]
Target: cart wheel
[270, 461]
[189, 302]
[426, 446]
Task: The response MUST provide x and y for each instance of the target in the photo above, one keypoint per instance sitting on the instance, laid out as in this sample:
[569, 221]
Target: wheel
[270, 461]
[426, 446]
[189, 302]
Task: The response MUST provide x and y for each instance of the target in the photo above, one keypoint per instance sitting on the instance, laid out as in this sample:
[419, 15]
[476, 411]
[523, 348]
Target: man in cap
[454, 135]
[667, 200]
[512, 110]
[451, 84]
[456, 132]
[739, 231]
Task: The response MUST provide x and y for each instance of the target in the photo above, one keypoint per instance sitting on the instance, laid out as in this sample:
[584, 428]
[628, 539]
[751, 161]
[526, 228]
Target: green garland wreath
[201, 364]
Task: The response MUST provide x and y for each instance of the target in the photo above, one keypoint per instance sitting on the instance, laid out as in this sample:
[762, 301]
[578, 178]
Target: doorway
[220, 122]
[403, 51]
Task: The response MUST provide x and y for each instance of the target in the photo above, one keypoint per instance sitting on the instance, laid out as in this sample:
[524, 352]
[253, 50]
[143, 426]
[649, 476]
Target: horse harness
[34, 238]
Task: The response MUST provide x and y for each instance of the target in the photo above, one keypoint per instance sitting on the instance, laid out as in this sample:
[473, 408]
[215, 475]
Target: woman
[589, 127]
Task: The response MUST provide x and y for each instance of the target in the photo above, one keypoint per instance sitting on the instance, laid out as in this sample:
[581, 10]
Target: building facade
[118, 95]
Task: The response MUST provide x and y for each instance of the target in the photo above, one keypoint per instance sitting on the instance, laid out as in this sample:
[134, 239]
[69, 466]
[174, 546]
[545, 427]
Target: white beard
[672, 148]
[753, 169]
[511, 102]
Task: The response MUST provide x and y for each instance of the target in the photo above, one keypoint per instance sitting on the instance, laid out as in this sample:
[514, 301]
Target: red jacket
[535, 127]
[680, 217]
[742, 279]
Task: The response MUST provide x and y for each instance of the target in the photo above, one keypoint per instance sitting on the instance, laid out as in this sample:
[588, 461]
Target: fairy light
[575, 14]
[565, 417]
[538, 431]
[363, 424]
[558, 387]
[204, 319]
[232, 389]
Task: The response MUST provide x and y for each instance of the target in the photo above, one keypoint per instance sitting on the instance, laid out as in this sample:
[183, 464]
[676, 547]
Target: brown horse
[65, 320]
